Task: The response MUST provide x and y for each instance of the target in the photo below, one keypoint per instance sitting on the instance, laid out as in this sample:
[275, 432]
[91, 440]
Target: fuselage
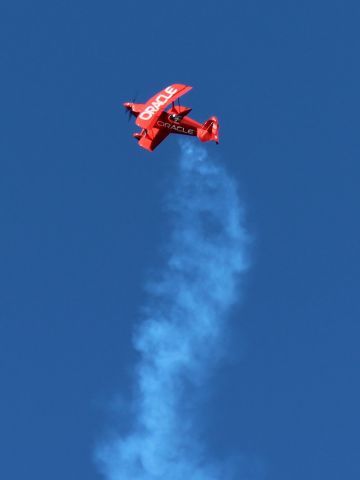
[166, 120]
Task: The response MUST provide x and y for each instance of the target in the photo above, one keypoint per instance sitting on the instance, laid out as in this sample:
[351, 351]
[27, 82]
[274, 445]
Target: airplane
[157, 123]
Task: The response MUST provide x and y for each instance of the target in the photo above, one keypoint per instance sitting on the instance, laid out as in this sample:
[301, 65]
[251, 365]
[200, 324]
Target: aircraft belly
[182, 128]
[174, 128]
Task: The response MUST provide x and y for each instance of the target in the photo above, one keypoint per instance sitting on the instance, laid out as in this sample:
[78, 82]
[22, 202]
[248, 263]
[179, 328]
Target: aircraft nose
[127, 104]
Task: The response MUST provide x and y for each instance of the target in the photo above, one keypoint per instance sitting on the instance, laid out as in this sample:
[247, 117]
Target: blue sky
[83, 222]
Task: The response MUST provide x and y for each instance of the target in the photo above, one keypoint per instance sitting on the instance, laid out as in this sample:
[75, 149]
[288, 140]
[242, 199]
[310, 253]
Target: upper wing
[158, 103]
[153, 138]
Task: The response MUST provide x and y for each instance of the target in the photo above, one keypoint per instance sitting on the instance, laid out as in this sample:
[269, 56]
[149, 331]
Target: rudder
[209, 130]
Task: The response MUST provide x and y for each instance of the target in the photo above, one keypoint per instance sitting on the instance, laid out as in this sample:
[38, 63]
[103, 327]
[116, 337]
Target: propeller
[128, 112]
[128, 108]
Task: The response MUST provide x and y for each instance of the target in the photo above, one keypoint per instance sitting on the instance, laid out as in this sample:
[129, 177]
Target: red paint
[157, 122]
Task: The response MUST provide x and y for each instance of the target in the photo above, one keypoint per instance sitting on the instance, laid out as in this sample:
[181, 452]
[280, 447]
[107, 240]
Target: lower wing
[152, 138]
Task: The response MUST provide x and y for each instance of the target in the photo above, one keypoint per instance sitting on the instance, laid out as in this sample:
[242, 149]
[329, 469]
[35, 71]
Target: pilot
[175, 118]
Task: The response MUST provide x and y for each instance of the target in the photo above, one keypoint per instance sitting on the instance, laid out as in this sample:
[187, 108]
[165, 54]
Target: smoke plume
[181, 333]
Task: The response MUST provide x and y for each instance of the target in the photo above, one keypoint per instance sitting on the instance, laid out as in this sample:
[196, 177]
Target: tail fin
[209, 130]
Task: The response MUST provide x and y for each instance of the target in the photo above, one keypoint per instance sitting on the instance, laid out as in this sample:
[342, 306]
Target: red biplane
[156, 123]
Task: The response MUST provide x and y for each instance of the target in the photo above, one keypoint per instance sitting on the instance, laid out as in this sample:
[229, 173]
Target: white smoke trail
[181, 333]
